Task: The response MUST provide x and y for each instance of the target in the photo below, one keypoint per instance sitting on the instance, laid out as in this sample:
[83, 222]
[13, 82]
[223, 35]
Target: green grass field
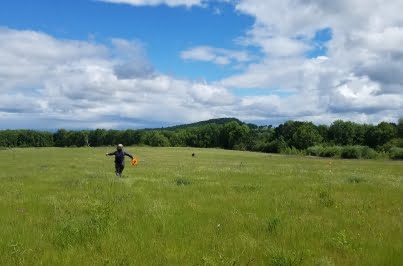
[65, 207]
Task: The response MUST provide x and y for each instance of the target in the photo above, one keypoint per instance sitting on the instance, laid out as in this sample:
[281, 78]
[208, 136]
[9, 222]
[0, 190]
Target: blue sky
[163, 30]
[141, 63]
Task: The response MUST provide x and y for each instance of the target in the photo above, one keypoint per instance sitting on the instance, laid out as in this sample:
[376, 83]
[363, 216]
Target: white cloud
[360, 77]
[214, 55]
[362, 95]
[280, 46]
[83, 89]
[172, 3]
[67, 83]
[24, 58]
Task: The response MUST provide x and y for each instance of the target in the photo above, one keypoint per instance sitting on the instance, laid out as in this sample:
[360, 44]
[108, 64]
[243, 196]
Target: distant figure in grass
[119, 159]
[193, 154]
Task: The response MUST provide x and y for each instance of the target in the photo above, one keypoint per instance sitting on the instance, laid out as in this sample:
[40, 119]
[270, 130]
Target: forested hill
[217, 121]
[343, 139]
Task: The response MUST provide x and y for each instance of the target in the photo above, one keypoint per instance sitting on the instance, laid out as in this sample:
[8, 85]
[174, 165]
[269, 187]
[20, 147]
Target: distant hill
[218, 121]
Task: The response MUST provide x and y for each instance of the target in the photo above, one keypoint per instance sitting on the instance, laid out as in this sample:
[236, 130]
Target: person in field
[119, 159]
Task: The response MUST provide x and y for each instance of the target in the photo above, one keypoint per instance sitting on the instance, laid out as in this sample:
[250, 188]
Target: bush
[157, 139]
[346, 152]
[351, 152]
[239, 147]
[399, 143]
[358, 152]
[368, 153]
[314, 150]
[331, 151]
[275, 146]
[396, 153]
[392, 144]
[292, 151]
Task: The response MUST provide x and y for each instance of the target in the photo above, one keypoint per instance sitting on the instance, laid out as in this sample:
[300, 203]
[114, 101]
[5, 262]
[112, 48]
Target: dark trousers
[119, 168]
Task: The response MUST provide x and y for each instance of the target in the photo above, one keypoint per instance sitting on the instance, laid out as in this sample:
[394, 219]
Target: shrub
[346, 152]
[239, 147]
[391, 144]
[358, 152]
[260, 146]
[368, 153]
[396, 153]
[314, 150]
[292, 151]
[351, 152]
[331, 151]
[276, 146]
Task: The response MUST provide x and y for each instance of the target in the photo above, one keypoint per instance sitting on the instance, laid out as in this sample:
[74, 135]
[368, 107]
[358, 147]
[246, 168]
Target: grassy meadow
[64, 206]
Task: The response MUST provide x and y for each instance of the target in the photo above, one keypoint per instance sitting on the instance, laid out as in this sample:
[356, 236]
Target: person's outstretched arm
[110, 153]
[127, 154]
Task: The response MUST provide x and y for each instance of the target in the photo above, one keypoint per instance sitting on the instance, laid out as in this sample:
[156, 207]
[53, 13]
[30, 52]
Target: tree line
[292, 137]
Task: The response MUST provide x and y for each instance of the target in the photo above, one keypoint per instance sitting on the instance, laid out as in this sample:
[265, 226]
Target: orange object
[135, 162]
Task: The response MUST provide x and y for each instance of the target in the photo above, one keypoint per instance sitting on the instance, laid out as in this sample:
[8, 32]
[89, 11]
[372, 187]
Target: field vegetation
[64, 206]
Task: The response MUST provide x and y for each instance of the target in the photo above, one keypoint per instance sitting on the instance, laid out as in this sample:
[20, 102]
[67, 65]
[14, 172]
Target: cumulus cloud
[214, 55]
[360, 77]
[69, 83]
[363, 95]
[27, 55]
[80, 84]
[133, 60]
[172, 3]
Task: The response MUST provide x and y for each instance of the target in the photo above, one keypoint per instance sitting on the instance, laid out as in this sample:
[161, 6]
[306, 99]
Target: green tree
[400, 128]
[9, 138]
[129, 137]
[77, 138]
[26, 138]
[233, 134]
[174, 138]
[287, 130]
[342, 133]
[306, 136]
[112, 137]
[157, 139]
[324, 132]
[276, 146]
[209, 136]
[381, 134]
[96, 137]
[360, 133]
[60, 138]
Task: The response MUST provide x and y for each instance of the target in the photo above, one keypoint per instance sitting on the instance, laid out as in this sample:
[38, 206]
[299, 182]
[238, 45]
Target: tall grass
[345, 152]
[66, 207]
[396, 153]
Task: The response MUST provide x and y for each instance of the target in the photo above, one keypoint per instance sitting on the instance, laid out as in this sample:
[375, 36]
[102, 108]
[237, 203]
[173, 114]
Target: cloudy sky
[151, 63]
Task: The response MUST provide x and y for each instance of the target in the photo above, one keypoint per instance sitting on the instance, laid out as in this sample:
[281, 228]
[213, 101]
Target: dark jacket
[120, 156]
